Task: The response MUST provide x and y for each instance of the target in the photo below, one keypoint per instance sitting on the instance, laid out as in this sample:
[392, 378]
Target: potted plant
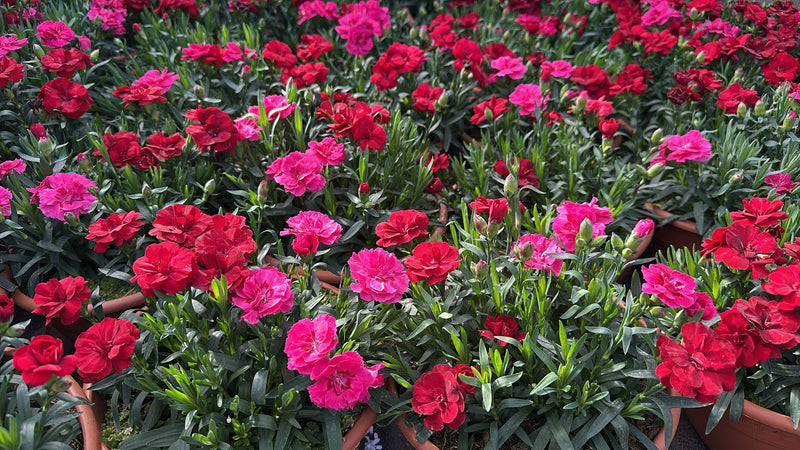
[734, 303]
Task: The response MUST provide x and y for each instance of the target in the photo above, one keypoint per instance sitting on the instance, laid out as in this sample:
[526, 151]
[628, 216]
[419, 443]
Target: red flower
[280, 54]
[181, 224]
[42, 359]
[502, 326]
[438, 397]
[141, 94]
[117, 228]
[312, 46]
[745, 247]
[165, 267]
[730, 98]
[61, 298]
[165, 147]
[632, 79]
[65, 97]
[526, 176]
[783, 67]
[305, 74]
[123, 148]
[6, 308]
[497, 106]
[426, 97]
[463, 369]
[105, 347]
[403, 226]
[785, 281]
[497, 208]
[750, 350]
[440, 161]
[608, 127]
[760, 212]
[702, 366]
[435, 186]
[369, 134]
[10, 70]
[593, 78]
[432, 261]
[188, 6]
[216, 130]
[65, 62]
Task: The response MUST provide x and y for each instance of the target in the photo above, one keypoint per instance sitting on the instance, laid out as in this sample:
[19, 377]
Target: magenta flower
[659, 14]
[691, 146]
[378, 275]
[310, 228]
[317, 8]
[558, 69]
[275, 106]
[55, 34]
[5, 200]
[509, 66]
[529, 98]
[163, 80]
[10, 43]
[674, 288]
[343, 381]
[297, 172]
[327, 151]
[643, 228]
[62, 193]
[782, 182]
[309, 342]
[570, 215]
[12, 165]
[364, 21]
[265, 291]
[248, 128]
[542, 247]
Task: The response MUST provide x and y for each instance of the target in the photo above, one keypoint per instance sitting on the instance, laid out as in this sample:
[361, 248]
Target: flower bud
[413, 33]
[759, 108]
[442, 102]
[586, 232]
[694, 14]
[435, 186]
[423, 34]
[657, 311]
[15, 330]
[701, 57]
[38, 51]
[524, 252]
[480, 269]
[210, 186]
[601, 240]
[788, 122]
[657, 135]
[147, 191]
[510, 186]
[735, 179]
[741, 110]
[480, 223]
[9, 94]
[642, 229]
[737, 75]
[59, 385]
[488, 114]
[118, 42]
[616, 242]
[45, 148]
[627, 253]
[94, 55]
[655, 169]
[263, 192]
[83, 162]
[137, 29]
[363, 188]
[199, 91]
[72, 219]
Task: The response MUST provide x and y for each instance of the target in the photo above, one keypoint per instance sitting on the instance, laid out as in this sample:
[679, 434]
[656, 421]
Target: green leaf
[333, 430]
[486, 395]
[718, 410]
[506, 381]
[546, 381]
[794, 406]
[607, 414]
[258, 390]
[160, 437]
[560, 435]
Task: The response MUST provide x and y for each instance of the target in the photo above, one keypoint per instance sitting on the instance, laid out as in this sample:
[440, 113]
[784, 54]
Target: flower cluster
[439, 396]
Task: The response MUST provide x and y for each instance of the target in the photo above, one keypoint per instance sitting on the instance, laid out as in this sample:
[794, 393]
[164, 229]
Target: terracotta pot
[758, 428]
[91, 425]
[356, 434]
[660, 439]
[677, 233]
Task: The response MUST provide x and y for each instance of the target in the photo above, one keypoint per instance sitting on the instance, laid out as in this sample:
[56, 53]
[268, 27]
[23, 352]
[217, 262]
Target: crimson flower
[438, 396]
[498, 325]
[6, 308]
[496, 106]
[65, 97]
[216, 130]
[783, 67]
[181, 224]
[497, 208]
[165, 147]
[734, 94]
[701, 367]
[116, 228]
[10, 70]
[65, 62]
[280, 54]
[785, 281]
[432, 261]
[105, 347]
[761, 212]
[61, 298]
[43, 358]
[746, 247]
[165, 267]
[403, 226]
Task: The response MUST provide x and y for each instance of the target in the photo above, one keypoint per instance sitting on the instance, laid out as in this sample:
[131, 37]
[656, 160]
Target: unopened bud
[199, 91]
[657, 311]
[480, 223]
[657, 135]
[788, 122]
[480, 269]
[83, 162]
[45, 147]
[118, 42]
[627, 253]
[423, 34]
[413, 33]
[147, 191]
[510, 186]
[488, 114]
[94, 55]
[524, 251]
[586, 232]
[601, 240]
[655, 169]
[694, 14]
[701, 57]
[737, 75]
[15, 330]
[759, 108]
[9, 94]
[210, 186]
[38, 51]
[263, 192]
[734, 179]
[60, 385]
[741, 110]
[72, 219]
[616, 242]
[442, 102]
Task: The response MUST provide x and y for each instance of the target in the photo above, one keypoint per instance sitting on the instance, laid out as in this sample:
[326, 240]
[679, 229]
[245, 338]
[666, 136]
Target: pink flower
[55, 34]
[781, 181]
[275, 106]
[360, 41]
[248, 128]
[84, 43]
[265, 291]
[5, 200]
[542, 248]
[558, 69]
[643, 228]
[62, 193]
[297, 172]
[309, 342]
[328, 152]
[659, 14]
[12, 165]
[378, 275]
[343, 381]
[529, 98]
[317, 8]
[674, 288]
[690, 146]
[570, 215]
[163, 80]
[311, 228]
[509, 66]
[10, 43]
[704, 303]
